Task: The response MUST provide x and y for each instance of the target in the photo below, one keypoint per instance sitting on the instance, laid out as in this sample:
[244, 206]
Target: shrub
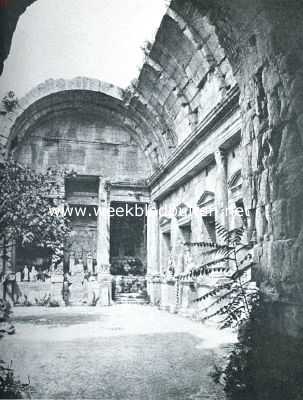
[10, 387]
[53, 303]
[44, 301]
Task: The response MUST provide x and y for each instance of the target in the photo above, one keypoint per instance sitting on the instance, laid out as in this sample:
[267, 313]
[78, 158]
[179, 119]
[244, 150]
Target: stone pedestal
[154, 288]
[105, 285]
[76, 288]
[172, 299]
[164, 305]
[168, 298]
[90, 267]
[71, 262]
[186, 296]
[93, 290]
[56, 282]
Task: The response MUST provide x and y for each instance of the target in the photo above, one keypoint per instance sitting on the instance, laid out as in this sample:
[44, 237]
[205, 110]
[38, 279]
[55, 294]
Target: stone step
[130, 302]
[130, 298]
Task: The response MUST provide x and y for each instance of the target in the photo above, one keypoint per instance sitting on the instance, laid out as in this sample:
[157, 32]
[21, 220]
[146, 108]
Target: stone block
[274, 107]
[270, 78]
[254, 157]
[264, 192]
[216, 50]
[300, 126]
[296, 105]
[61, 84]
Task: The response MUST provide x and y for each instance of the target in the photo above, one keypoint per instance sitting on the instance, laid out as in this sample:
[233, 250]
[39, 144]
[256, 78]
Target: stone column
[71, 262]
[221, 192]
[103, 243]
[89, 262]
[103, 225]
[153, 239]
[153, 266]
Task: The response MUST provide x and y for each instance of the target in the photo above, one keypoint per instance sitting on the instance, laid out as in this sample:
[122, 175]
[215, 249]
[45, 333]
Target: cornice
[219, 113]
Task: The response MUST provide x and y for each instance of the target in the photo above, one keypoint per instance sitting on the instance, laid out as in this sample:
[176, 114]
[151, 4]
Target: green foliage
[234, 295]
[25, 201]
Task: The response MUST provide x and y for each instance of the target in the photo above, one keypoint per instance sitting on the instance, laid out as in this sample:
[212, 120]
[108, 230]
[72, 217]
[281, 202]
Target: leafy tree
[234, 295]
[25, 201]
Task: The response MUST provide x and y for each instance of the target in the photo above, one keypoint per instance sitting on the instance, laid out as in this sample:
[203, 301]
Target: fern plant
[233, 296]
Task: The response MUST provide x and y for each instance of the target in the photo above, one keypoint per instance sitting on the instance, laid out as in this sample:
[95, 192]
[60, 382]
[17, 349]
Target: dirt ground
[114, 353]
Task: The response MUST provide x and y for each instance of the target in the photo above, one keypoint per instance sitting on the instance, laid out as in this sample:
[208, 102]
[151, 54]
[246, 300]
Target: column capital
[104, 188]
[153, 206]
[105, 181]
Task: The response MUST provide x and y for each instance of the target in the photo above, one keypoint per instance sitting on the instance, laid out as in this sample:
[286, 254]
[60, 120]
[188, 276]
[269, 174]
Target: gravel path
[123, 352]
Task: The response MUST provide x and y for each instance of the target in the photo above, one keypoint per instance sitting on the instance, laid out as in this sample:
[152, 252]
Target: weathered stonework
[202, 49]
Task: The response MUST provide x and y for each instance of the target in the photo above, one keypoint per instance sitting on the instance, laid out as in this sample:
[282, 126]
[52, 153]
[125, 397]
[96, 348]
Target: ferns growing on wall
[233, 296]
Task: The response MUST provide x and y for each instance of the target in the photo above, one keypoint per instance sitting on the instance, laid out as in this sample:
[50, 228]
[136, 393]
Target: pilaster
[221, 193]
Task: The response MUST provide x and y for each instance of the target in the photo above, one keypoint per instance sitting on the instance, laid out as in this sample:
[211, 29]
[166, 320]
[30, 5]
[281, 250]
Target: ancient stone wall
[92, 97]
[186, 73]
[87, 144]
[258, 44]
[270, 79]
[199, 191]
[262, 42]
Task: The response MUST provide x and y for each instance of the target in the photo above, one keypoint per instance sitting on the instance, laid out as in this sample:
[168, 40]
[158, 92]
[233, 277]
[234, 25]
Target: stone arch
[145, 129]
[178, 68]
[181, 78]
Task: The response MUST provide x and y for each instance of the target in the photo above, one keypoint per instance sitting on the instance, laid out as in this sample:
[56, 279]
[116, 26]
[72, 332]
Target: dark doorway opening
[128, 238]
